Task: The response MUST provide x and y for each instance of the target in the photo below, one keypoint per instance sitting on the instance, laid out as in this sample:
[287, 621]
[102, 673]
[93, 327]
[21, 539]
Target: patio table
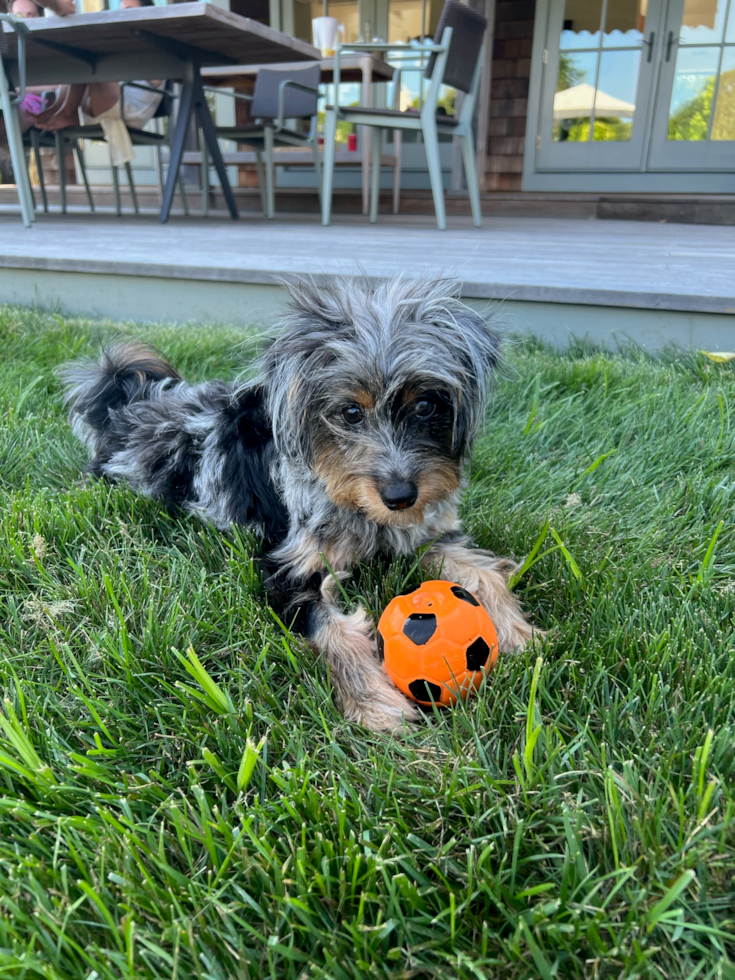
[362, 68]
[154, 42]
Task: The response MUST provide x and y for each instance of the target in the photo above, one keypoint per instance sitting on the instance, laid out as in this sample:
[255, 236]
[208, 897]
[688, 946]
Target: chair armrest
[289, 83]
[149, 88]
[21, 29]
[233, 95]
[358, 46]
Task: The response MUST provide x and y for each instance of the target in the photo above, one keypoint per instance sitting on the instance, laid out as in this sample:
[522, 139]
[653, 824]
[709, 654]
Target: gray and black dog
[349, 443]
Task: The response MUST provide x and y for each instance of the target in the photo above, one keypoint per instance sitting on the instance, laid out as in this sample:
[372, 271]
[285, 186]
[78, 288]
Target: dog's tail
[94, 389]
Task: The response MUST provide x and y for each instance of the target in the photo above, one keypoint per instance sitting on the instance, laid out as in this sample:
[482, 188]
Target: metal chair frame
[425, 121]
[35, 140]
[9, 103]
[264, 136]
[70, 136]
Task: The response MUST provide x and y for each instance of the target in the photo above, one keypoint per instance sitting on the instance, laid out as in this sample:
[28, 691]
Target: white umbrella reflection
[578, 102]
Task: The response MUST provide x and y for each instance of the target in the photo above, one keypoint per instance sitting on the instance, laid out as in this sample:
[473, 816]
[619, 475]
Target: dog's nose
[399, 495]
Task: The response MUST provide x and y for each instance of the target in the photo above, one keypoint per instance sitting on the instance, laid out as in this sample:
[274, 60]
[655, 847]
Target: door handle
[649, 44]
[671, 40]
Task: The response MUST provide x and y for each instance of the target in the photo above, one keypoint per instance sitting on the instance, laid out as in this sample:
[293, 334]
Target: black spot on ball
[464, 595]
[420, 627]
[424, 691]
[477, 654]
[408, 590]
[381, 644]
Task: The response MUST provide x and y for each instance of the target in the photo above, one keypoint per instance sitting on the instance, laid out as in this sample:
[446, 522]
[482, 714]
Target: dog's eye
[424, 408]
[352, 414]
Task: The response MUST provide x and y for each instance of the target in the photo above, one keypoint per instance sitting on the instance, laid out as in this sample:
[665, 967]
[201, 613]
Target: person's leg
[101, 96]
[65, 110]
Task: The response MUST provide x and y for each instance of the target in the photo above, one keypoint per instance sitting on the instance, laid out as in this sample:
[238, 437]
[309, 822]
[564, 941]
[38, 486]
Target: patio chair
[9, 102]
[454, 58]
[35, 140]
[279, 98]
[70, 136]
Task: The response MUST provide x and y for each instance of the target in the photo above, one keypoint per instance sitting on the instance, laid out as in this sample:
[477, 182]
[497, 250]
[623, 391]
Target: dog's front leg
[486, 577]
[299, 585]
[346, 640]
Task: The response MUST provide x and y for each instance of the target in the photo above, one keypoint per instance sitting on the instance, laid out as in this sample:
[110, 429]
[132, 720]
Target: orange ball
[436, 641]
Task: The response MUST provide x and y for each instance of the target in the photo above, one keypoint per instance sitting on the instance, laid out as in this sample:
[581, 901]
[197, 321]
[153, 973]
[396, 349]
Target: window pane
[625, 23]
[575, 96]
[581, 26]
[691, 99]
[730, 32]
[703, 21]
[616, 93]
[723, 126]
[346, 14]
[404, 20]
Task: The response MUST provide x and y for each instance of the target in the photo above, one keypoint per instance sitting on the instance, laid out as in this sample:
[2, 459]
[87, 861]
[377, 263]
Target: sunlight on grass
[179, 796]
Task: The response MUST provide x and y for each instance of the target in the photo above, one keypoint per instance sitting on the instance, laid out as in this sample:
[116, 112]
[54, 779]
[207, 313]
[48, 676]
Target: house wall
[511, 69]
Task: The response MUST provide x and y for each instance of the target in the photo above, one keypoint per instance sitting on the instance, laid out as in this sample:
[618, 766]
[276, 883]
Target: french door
[694, 122]
[638, 85]
[601, 60]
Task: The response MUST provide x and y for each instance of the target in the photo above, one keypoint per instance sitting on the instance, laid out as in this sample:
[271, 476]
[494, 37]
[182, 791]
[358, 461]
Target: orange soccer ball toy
[436, 641]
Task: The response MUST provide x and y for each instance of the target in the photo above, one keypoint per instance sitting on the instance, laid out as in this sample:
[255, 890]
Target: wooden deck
[650, 283]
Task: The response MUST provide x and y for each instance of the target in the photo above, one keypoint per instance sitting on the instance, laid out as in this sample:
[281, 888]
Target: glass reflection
[625, 23]
[691, 98]
[617, 84]
[703, 21]
[575, 95]
[582, 23]
[730, 32]
[723, 125]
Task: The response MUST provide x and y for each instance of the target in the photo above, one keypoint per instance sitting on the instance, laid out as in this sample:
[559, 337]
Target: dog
[349, 442]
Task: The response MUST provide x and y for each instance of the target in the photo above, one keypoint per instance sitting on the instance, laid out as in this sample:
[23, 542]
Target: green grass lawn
[168, 816]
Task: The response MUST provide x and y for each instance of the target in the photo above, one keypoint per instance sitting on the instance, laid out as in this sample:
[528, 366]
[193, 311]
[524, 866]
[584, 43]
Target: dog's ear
[477, 349]
[465, 347]
[481, 337]
[295, 360]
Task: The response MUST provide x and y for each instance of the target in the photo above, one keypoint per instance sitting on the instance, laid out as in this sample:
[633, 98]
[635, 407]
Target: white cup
[326, 32]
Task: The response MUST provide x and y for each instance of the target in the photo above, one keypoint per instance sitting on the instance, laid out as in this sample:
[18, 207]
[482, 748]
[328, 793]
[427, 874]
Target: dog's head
[379, 390]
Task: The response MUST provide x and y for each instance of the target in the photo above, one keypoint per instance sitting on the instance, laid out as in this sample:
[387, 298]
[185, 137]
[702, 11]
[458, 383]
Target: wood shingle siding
[511, 69]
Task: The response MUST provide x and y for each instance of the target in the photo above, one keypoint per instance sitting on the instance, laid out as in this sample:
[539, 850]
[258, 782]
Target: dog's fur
[349, 443]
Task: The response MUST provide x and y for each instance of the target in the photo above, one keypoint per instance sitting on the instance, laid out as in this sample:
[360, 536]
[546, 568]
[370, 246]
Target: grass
[180, 798]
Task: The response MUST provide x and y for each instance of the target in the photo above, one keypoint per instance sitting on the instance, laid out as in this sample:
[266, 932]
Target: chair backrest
[297, 104]
[468, 29]
[166, 105]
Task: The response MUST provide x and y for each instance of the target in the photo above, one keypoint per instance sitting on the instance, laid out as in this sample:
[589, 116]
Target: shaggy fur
[350, 443]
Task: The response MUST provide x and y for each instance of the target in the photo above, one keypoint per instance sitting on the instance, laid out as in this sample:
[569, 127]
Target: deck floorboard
[610, 263]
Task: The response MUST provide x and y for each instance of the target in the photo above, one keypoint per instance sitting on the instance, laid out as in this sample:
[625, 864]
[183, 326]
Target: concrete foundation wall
[183, 301]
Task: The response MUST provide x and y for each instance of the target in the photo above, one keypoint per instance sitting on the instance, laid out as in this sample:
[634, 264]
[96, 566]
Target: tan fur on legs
[367, 693]
[486, 577]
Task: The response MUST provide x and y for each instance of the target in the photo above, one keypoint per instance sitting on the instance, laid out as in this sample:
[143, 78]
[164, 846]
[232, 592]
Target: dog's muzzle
[399, 495]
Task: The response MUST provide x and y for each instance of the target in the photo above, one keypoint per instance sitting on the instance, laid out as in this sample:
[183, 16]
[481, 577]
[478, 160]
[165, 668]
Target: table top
[116, 45]
[350, 65]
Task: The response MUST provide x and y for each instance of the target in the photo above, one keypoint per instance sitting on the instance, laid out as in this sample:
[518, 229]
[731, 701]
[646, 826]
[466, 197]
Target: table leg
[186, 108]
[193, 101]
[210, 137]
[367, 100]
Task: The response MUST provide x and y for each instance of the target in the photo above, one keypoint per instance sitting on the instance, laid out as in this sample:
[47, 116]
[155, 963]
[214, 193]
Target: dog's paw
[517, 634]
[385, 710]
